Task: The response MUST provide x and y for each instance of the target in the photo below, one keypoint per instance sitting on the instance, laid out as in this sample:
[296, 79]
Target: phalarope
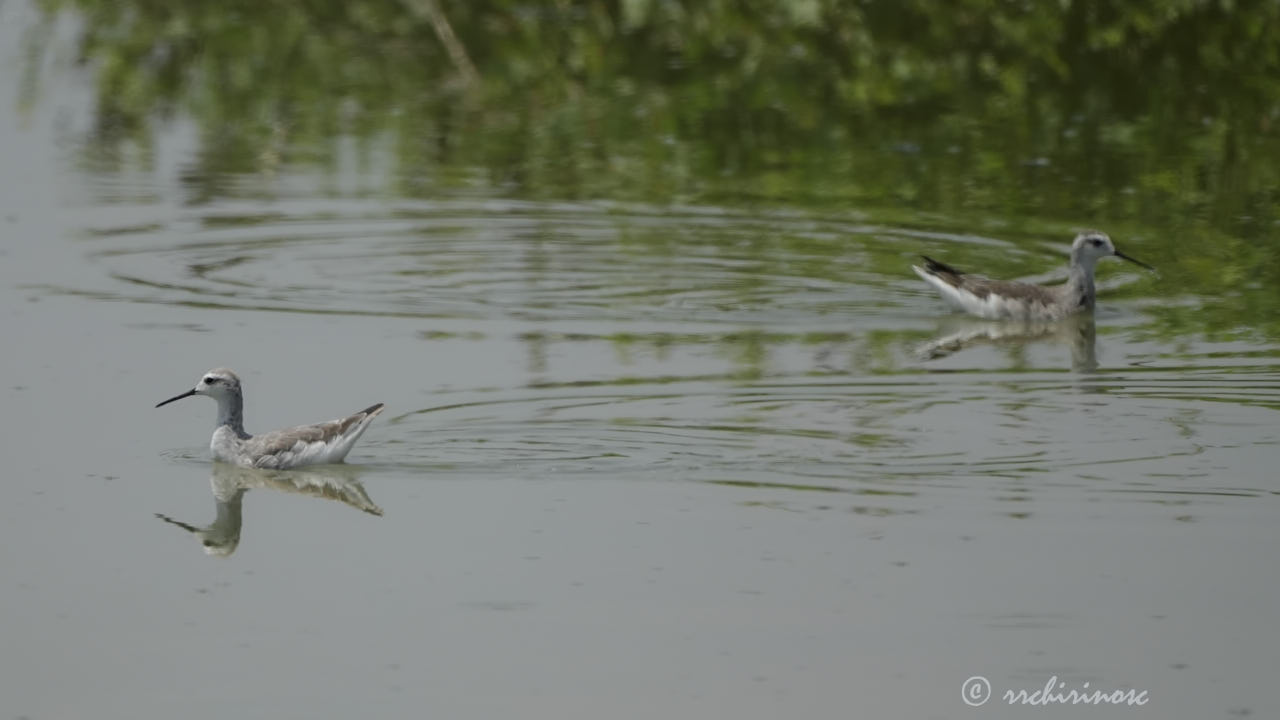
[1002, 299]
[317, 444]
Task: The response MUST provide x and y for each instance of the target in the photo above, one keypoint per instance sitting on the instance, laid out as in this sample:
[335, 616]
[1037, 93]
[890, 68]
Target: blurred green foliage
[1155, 119]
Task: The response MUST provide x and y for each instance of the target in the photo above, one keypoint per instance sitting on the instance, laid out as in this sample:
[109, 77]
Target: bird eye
[210, 380]
[1096, 242]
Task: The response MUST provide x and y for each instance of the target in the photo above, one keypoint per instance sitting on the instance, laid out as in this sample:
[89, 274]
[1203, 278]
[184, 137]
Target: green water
[1155, 123]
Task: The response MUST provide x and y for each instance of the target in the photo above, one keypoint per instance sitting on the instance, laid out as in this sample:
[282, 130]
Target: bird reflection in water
[1077, 332]
[230, 483]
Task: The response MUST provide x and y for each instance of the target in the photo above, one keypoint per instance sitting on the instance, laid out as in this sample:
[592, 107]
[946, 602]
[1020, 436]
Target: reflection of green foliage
[1155, 115]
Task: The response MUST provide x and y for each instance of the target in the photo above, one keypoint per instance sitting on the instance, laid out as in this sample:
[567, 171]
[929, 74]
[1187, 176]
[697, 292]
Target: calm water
[640, 459]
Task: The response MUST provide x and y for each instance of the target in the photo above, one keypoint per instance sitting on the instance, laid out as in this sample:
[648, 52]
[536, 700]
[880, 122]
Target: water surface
[643, 455]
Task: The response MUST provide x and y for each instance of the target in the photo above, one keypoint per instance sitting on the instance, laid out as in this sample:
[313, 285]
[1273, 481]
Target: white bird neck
[231, 413]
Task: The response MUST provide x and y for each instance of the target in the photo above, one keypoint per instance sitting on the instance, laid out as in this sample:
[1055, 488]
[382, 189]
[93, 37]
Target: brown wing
[278, 441]
[982, 287]
[1018, 291]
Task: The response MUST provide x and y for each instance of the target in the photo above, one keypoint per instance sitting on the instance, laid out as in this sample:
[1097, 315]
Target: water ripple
[762, 351]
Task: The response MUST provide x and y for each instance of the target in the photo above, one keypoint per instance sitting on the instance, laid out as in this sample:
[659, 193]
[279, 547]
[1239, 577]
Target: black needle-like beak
[1118, 254]
[188, 393]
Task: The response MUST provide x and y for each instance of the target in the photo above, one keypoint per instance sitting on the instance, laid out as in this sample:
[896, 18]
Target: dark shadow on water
[230, 483]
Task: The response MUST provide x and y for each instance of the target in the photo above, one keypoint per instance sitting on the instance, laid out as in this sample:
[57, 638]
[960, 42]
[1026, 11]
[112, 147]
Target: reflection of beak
[1119, 254]
[192, 391]
[184, 526]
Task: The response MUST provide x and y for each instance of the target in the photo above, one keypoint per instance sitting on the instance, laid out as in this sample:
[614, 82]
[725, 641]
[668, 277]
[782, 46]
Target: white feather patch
[991, 307]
